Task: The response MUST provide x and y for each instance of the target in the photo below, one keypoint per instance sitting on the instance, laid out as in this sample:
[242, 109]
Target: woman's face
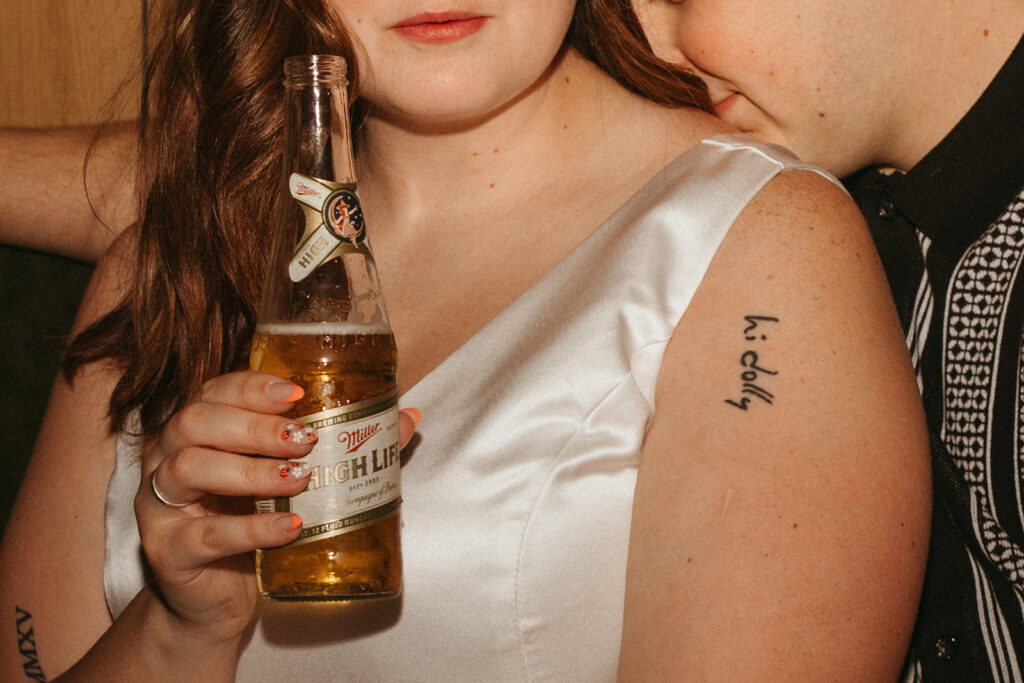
[429, 63]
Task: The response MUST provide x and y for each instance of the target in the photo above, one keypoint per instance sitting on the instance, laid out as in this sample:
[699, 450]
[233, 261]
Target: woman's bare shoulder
[801, 213]
[802, 246]
[788, 414]
[110, 281]
[661, 133]
[687, 126]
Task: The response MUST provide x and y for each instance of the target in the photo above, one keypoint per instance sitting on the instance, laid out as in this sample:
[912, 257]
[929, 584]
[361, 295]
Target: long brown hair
[211, 131]
[608, 33]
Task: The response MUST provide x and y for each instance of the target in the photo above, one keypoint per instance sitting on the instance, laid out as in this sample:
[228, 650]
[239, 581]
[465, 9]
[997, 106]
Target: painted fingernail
[298, 433]
[416, 416]
[284, 391]
[294, 470]
[287, 523]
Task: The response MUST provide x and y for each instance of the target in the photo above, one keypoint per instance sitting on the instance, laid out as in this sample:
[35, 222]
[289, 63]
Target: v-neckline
[652, 185]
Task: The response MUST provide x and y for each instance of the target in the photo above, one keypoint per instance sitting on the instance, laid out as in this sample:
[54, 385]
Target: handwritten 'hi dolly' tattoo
[27, 645]
[753, 374]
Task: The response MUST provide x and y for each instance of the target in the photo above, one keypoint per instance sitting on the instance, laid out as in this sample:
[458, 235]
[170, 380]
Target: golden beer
[322, 323]
[349, 379]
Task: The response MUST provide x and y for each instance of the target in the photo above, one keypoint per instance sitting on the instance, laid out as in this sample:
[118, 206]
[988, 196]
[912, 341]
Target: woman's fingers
[235, 429]
[408, 421]
[194, 503]
[203, 533]
[260, 393]
[197, 451]
[237, 413]
[189, 474]
[189, 543]
[256, 391]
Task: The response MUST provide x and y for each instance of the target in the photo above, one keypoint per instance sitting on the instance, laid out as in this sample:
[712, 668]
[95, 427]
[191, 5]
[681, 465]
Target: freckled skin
[843, 83]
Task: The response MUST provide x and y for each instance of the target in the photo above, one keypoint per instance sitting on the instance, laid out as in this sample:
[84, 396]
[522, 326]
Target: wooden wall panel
[61, 60]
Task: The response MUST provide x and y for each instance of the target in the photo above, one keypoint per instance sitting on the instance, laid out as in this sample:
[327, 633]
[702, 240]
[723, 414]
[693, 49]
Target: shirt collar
[968, 179]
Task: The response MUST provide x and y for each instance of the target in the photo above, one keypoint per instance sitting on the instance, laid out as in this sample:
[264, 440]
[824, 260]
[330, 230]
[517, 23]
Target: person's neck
[955, 54]
[546, 134]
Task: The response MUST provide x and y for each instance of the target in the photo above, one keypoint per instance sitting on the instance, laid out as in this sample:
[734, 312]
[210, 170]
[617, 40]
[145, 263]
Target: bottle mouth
[312, 69]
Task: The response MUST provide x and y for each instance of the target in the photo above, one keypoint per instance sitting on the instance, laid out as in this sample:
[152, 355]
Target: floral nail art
[298, 433]
[294, 470]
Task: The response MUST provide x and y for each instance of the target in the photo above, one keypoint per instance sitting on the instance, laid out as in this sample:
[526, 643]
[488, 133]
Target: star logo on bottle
[343, 216]
[341, 220]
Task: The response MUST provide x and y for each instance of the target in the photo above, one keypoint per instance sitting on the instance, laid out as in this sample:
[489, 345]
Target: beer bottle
[322, 324]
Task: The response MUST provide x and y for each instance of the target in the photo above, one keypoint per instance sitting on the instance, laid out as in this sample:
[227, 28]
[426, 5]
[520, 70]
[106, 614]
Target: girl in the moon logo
[343, 216]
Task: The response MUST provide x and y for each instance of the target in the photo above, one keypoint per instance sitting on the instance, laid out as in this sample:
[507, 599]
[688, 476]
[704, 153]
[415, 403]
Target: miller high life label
[334, 218]
[356, 470]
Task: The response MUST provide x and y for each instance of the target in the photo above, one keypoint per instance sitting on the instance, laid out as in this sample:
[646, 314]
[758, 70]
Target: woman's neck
[449, 210]
[561, 127]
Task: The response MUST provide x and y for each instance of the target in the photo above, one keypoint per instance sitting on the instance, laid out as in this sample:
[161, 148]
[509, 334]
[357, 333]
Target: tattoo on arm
[27, 645]
[754, 375]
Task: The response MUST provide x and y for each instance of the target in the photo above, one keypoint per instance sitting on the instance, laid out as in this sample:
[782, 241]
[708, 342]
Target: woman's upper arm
[51, 561]
[783, 499]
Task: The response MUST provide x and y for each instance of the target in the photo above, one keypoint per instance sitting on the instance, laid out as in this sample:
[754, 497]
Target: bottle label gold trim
[341, 526]
[334, 223]
[356, 470]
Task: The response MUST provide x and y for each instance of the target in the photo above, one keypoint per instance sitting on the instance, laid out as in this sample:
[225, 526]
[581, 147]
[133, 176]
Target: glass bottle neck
[315, 69]
[317, 140]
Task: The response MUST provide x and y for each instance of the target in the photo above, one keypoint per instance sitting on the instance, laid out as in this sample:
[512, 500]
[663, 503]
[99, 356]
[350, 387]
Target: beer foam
[335, 329]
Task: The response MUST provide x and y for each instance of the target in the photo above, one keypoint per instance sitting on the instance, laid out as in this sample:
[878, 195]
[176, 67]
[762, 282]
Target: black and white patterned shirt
[951, 236]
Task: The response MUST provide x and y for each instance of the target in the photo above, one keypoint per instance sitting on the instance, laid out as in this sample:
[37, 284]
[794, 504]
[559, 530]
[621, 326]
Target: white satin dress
[519, 489]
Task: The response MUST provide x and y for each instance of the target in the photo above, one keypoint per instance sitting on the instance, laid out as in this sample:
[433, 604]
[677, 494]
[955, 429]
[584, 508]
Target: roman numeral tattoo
[27, 645]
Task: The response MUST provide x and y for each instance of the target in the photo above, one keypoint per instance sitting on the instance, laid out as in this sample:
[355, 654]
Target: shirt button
[945, 647]
[886, 208]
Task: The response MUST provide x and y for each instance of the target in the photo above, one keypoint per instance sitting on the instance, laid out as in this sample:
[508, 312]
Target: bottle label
[356, 470]
[343, 216]
[334, 219]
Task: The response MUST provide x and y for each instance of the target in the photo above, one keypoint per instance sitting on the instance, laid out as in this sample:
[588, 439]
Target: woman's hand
[210, 458]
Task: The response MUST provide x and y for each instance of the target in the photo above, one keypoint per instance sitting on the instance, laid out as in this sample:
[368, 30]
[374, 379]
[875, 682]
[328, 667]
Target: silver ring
[160, 496]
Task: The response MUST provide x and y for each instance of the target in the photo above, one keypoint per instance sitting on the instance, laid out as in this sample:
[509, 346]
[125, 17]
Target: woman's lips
[444, 27]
